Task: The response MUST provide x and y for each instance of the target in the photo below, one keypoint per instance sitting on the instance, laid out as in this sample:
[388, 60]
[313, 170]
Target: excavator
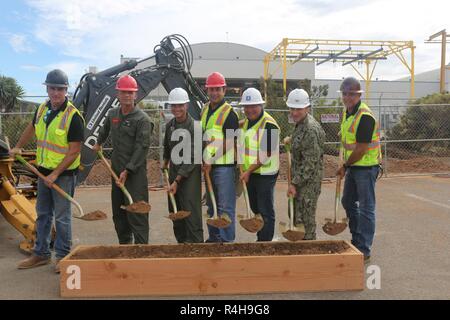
[95, 96]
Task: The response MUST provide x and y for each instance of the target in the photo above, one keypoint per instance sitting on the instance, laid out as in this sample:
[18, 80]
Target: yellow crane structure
[443, 34]
[289, 51]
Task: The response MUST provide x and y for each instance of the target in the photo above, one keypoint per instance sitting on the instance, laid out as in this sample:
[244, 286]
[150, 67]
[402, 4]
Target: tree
[10, 93]
[424, 119]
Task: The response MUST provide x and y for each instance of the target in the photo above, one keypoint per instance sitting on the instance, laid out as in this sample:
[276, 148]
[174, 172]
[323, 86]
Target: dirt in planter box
[211, 250]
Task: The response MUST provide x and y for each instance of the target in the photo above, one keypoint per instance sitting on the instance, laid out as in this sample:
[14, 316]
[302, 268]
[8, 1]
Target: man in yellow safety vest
[360, 138]
[58, 127]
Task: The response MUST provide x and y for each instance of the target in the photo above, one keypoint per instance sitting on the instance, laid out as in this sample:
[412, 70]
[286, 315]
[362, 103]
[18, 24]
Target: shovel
[175, 215]
[334, 227]
[219, 222]
[292, 233]
[251, 224]
[54, 186]
[138, 207]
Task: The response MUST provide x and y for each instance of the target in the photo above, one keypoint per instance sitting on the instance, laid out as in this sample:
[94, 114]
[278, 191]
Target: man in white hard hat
[259, 158]
[307, 144]
[184, 173]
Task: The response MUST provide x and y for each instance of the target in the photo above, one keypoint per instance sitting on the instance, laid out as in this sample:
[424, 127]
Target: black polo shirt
[365, 128]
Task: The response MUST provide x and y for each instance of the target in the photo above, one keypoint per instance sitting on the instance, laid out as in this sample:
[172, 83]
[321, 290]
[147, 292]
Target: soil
[212, 250]
[139, 207]
[220, 222]
[252, 225]
[292, 235]
[179, 215]
[334, 228]
[95, 215]
[409, 163]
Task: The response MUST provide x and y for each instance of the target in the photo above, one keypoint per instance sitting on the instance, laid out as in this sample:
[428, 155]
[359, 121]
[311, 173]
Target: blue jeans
[261, 196]
[224, 188]
[51, 204]
[359, 203]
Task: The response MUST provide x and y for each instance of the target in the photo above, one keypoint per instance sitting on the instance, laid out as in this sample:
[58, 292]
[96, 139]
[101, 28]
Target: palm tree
[10, 93]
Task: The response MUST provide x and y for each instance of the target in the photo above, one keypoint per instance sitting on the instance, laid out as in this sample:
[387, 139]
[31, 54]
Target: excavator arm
[96, 93]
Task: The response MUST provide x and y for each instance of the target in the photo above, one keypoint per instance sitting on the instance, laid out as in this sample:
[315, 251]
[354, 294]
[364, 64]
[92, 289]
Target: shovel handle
[171, 197]
[114, 175]
[291, 212]
[337, 197]
[289, 163]
[211, 193]
[244, 188]
[54, 185]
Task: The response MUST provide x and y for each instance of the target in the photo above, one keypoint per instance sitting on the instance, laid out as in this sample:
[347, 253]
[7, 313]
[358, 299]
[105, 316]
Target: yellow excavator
[18, 196]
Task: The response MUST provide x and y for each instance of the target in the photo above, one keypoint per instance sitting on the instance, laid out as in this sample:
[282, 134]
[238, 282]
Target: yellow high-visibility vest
[349, 127]
[251, 140]
[214, 131]
[52, 143]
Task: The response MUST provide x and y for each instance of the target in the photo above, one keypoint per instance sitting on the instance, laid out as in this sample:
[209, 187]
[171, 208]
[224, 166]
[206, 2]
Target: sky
[37, 36]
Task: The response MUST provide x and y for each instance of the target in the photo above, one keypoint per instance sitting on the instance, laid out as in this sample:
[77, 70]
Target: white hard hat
[251, 96]
[298, 99]
[178, 96]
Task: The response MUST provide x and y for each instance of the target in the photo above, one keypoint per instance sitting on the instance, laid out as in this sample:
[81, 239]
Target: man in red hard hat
[130, 130]
[219, 122]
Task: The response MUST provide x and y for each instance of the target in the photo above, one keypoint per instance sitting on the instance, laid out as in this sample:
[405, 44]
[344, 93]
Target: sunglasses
[47, 114]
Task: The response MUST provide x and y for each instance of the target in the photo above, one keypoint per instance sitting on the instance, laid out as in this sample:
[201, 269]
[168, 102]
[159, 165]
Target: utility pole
[443, 34]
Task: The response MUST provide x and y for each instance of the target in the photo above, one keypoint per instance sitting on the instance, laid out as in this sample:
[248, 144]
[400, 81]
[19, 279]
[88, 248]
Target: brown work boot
[33, 261]
[57, 268]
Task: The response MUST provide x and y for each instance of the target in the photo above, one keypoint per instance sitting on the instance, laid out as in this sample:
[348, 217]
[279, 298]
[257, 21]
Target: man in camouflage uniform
[307, 144]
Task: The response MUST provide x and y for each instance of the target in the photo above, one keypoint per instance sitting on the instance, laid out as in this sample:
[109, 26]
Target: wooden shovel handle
[172, 198]
[211, 193]
[244, 188]
[54, 185]
[114, 175]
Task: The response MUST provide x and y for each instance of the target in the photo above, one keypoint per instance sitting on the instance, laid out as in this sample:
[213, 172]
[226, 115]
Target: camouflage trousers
[305, 206]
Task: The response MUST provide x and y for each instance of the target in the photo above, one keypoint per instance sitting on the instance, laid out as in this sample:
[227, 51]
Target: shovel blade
[179, 215]
[334, 228]
[139, 207]
[221, 222]
[293, 235]
[252, 225]
[93, 216]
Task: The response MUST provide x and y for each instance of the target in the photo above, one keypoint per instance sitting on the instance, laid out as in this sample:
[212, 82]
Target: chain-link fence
[415, 139]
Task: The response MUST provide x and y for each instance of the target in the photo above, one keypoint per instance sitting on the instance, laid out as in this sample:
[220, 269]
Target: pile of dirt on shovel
[212, 250]
[95, 215]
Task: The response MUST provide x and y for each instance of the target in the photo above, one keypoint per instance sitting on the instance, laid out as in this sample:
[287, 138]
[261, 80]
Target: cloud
[20, 43]
[100, 32]
[31, 68]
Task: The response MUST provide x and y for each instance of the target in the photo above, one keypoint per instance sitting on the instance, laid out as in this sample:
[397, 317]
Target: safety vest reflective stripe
[52, 147]
[221, 116]
[352, 146]
[65, 117]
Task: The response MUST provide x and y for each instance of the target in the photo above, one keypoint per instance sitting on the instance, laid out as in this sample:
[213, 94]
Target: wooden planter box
[211, 269]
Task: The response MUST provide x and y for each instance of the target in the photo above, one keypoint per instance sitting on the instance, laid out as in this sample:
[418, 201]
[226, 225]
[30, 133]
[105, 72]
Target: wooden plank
[211, 276]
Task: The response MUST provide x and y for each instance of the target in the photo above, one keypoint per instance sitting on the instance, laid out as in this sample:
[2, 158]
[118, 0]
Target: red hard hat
[215, 80]
[126, 83]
